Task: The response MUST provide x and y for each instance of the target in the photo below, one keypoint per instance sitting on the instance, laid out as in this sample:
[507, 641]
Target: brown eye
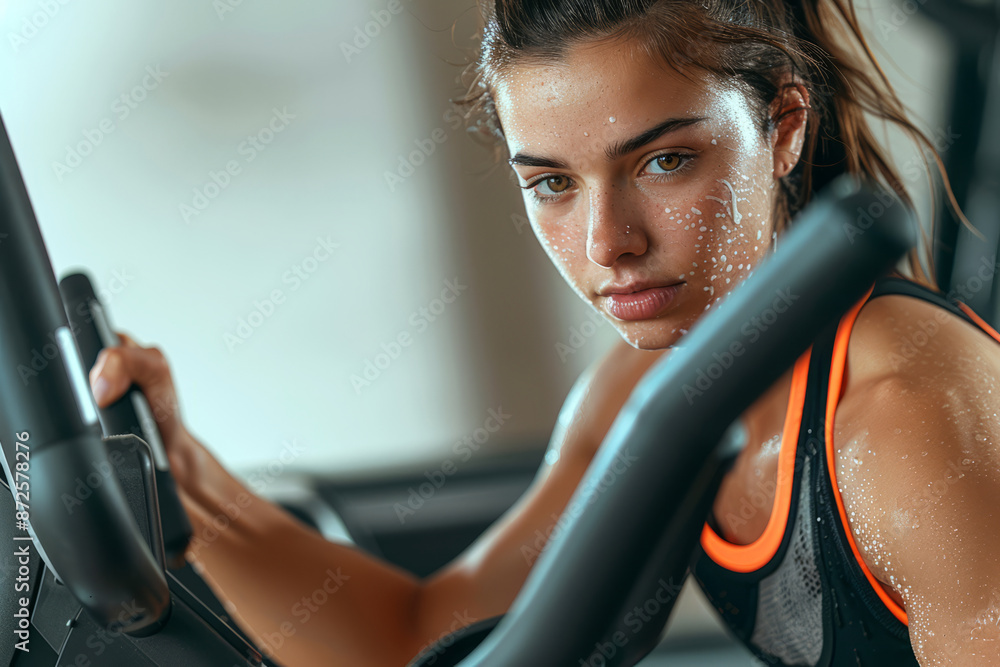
[551, 186]
[557, 183]
[668, 162]
[667, 165]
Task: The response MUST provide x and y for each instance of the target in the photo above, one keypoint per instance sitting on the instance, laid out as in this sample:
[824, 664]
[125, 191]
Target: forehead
[607, 88]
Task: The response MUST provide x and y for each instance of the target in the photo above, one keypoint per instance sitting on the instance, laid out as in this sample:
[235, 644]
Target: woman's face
[652, 194]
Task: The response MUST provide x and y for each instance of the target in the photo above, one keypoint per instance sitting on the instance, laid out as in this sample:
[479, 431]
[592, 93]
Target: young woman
[663, 147]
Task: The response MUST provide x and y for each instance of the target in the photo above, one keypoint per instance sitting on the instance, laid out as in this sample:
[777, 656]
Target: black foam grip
[91, 326]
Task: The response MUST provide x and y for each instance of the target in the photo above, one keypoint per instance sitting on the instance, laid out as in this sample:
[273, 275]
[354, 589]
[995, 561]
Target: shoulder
[599, 394]
[905, 350]
[921, 389]
[917, 447]
[895, 333]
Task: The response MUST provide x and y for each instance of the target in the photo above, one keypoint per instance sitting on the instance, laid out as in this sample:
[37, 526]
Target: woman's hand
[261, 562]
[118, 368]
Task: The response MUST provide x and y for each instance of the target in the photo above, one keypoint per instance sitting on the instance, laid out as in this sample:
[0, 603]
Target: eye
[549, 188]
[666, 164]
[552, 185]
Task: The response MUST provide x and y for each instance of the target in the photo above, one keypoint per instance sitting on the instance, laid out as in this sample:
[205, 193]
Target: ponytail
[853, 84]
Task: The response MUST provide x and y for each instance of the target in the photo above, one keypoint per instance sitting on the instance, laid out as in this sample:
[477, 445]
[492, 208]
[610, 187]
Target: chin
[650, 334]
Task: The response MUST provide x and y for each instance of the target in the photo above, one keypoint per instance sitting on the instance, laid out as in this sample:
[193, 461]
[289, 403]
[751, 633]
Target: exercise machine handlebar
[94, 546]
[131, 413]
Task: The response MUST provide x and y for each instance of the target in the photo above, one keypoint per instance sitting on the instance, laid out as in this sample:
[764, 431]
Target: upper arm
[918, 467]
[485, 579]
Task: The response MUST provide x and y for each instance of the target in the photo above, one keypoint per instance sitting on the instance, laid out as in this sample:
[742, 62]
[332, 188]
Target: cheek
[717, 232]
[738, 235]
[565, 244]
[559, 239]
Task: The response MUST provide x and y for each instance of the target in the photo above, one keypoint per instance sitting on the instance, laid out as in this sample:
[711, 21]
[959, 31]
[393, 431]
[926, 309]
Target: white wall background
[63, 65]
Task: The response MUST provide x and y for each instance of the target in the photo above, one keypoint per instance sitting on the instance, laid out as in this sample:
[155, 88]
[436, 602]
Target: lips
[642, 304]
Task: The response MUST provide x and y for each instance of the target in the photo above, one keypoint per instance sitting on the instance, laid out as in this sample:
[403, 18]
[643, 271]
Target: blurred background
[276, 194]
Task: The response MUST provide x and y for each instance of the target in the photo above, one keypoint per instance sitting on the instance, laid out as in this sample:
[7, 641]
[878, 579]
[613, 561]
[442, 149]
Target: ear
[789, 115]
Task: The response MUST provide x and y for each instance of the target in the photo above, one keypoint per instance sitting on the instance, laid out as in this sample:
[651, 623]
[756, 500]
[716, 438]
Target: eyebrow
[623, 148]
[526, 160]
[618, 149]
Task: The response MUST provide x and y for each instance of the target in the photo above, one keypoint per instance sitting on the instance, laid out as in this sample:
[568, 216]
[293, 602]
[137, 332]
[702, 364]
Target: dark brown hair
[754, 43]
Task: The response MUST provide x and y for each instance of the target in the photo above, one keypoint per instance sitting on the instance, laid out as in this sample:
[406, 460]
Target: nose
[614, 229]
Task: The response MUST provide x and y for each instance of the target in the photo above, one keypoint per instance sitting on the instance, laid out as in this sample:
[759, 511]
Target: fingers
[126, 340]
[117, 368]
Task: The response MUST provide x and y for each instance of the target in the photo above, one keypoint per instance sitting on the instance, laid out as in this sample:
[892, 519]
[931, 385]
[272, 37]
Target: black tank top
[801, 594]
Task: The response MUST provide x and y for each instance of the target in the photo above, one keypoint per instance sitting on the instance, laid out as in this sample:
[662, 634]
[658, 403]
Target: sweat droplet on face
[736, 211]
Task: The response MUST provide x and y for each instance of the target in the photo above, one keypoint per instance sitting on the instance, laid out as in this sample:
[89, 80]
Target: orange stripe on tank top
[837, 368]
[757, 554]
[980, 321]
